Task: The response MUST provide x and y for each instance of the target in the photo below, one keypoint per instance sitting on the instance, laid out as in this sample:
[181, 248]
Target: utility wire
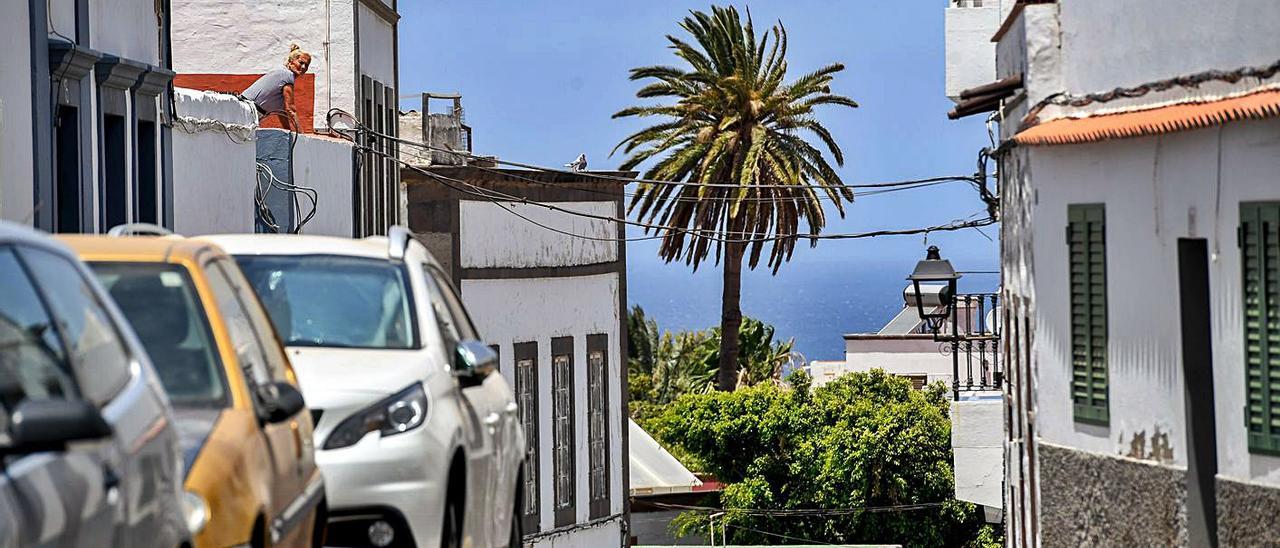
[709, 234]
[783, 512]
[779, 535]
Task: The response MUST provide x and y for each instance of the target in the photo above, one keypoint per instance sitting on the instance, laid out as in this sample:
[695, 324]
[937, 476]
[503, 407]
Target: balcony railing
[972, 336]
[971, 3]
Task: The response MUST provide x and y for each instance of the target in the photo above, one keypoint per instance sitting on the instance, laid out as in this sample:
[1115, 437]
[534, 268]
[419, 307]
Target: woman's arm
[289, 110]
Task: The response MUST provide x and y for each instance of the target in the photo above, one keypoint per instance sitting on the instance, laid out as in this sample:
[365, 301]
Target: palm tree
[735, 136]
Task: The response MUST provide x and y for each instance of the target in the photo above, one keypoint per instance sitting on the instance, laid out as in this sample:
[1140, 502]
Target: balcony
[971, 55]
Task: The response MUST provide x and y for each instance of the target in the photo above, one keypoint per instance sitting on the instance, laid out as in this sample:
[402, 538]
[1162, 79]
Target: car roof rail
[398, 238]
[139, 229]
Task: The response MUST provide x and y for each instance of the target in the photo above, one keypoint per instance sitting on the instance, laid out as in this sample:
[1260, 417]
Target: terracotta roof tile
[1152, 121]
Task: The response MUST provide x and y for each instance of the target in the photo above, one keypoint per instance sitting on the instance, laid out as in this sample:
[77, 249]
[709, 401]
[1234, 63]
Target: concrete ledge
[1091, 499]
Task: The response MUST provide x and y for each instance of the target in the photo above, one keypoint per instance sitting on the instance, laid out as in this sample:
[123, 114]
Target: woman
[273, 92]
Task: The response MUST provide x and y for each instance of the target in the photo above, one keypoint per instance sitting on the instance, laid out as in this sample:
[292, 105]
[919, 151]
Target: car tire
[516, 538]
[451, 532]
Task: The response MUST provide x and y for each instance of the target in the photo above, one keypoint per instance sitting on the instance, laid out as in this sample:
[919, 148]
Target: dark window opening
[526, 374]
[598, 424]
[147, 193]
[564, 471]
[67, 167]
[115, 187]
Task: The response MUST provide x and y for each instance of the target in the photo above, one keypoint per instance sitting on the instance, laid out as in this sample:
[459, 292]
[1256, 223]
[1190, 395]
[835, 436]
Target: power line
[782, 512]
[779, 535]
[709, 234]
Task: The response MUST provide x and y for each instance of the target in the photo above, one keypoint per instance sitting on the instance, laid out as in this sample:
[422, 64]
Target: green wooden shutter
[1260, 266]
[1087, 245]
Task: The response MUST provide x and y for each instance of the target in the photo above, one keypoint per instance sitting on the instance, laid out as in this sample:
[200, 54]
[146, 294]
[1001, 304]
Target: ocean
[815, 303]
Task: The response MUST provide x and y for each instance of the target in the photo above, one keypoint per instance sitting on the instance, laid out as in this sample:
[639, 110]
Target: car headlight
[195, 511]
[400, 413]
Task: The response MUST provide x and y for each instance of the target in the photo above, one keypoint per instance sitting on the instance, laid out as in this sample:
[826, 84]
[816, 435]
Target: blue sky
[540, 80]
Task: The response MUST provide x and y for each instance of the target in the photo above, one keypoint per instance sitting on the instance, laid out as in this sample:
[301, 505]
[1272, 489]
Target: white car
[419, 438]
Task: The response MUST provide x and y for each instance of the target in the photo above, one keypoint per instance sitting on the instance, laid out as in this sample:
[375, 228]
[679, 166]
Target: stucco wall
[1156, 190]
[238, 37]
[377, 47]
[15, 116]
[320, 163]
[971, 59]
[603, 535]
[126, 28]
[493, 237]
[537, 309]
[213, 163]
[977, 448]
[1158, 39]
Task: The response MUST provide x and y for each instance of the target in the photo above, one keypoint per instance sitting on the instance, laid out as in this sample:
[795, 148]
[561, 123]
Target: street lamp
[933, 272]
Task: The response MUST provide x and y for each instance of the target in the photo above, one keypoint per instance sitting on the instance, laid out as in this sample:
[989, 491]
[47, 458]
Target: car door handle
[511, 408]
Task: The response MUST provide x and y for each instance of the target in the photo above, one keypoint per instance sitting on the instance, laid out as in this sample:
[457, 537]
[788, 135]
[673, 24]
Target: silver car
[90, 453]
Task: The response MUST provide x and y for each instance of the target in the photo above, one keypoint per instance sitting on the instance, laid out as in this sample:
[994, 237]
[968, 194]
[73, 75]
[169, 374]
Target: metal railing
[972, 337]
[971, 3]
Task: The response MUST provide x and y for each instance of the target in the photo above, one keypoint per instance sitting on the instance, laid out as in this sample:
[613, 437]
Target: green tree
[662, 366]
[736, 132]
[817, 461]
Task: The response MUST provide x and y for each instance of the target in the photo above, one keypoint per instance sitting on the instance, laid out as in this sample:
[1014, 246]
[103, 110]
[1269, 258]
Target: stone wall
[1091, 499]
[1248, 514]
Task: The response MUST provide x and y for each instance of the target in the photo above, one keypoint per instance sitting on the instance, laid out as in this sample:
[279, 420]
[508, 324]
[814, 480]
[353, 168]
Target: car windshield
[334, 301]
[160, 303]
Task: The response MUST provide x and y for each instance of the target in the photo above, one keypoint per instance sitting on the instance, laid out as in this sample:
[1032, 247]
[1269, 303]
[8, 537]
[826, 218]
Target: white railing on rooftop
[971, 3]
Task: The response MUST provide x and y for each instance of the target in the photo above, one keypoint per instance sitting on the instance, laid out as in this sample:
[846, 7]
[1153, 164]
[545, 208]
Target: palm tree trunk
[730, 317]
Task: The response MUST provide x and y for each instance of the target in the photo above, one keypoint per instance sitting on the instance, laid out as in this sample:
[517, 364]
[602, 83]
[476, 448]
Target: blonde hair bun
[295, 51]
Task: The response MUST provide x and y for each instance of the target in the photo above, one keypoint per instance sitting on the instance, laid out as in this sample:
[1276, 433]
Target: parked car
[246, 433]
[420, 442]
[89, 448]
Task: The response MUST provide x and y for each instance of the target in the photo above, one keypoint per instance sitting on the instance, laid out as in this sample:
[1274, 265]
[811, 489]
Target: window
[1086, 242]
[67, 170]
[258, 320]
[334, 301]
[115, 185]
[562, 445]
[526, 360]
[249, 352]
[160, 303]
[32, 358]
[598, 424]
[1260, 267]
[97, 353]
[146, 195]
[449, 305]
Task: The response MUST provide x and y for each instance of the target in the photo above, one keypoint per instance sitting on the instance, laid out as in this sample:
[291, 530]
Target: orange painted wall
[304, 93]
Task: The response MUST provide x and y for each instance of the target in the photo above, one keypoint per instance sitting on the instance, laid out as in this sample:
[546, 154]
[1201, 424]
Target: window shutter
[1260, 266]
[1086, 243]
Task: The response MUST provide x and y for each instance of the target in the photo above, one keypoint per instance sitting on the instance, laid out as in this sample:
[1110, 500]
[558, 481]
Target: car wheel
[451, 533]
[516, 538]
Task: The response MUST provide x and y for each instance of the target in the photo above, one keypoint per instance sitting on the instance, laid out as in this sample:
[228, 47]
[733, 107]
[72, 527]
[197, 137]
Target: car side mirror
[282, 401]
[49, 425]
[474, 360]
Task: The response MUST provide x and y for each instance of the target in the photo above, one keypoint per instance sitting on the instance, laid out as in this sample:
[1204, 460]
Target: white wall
[377, 47]
[61, 15]
[977, 448]
[537, 309]
[213, 163]
[325, 165]
[127, 28]
[601, 536]
[1159, 39]
[240, 37]
[16, 174]
[494, 237]
[1156, 190]
[971, 55]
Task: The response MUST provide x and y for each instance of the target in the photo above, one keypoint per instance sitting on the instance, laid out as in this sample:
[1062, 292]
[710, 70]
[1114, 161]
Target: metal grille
[1086, 242]
[525, 377]
[596, 425]
[562, 421]
[1260, 266]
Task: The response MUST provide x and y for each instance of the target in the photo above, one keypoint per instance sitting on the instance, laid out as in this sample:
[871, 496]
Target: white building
[1140, 238]
[554, 306]
[83, 138]
[224, 45]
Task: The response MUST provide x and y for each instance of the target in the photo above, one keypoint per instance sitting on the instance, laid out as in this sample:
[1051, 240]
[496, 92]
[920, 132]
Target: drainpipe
[328, 60]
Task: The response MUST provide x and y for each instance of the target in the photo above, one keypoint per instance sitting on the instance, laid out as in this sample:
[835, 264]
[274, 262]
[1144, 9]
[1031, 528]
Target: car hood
[338, 377]
[194, 426]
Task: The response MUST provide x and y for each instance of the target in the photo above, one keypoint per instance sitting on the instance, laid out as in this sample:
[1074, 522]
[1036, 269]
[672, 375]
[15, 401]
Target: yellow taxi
[245, 430]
